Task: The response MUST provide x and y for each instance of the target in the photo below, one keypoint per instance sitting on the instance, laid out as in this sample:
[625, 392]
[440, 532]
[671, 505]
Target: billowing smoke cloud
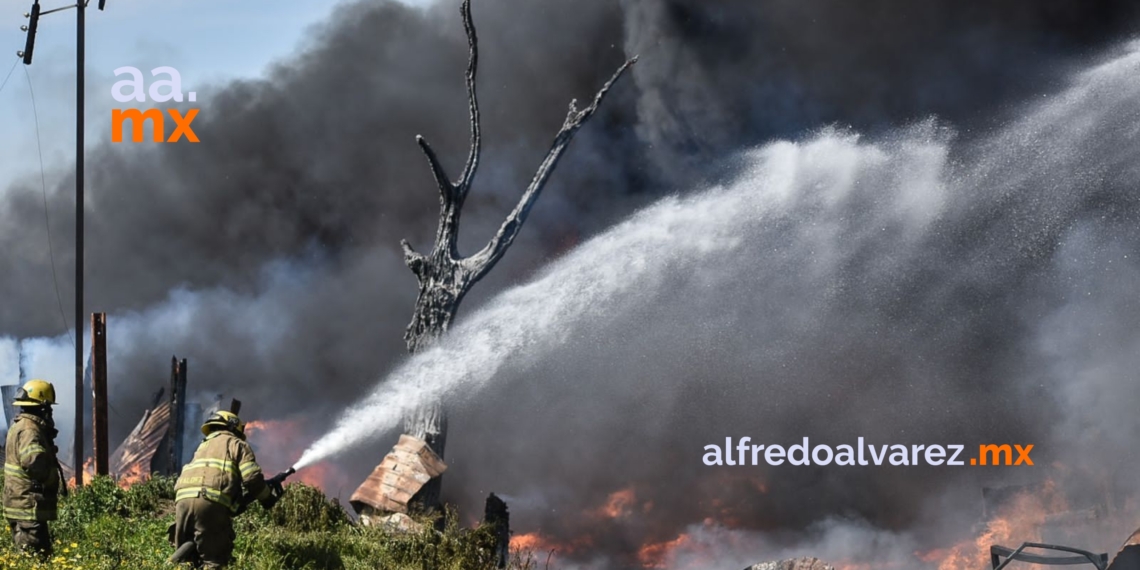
[916, 289]
[267, 254]
[303, 180]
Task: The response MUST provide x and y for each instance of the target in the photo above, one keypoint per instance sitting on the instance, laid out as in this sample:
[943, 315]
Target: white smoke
[626, 267]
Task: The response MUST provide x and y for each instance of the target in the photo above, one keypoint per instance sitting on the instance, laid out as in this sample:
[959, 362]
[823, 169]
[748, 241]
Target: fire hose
[277, 481]
[276, 488]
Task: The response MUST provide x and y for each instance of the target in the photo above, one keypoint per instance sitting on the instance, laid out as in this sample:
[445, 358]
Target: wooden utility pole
[99, 393]
[80, 62]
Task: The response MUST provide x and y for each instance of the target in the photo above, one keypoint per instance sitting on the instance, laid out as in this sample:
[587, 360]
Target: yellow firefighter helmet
[35, 393]
[223, 419]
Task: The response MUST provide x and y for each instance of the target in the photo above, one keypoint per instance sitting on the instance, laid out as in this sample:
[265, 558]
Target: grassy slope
[103, 527]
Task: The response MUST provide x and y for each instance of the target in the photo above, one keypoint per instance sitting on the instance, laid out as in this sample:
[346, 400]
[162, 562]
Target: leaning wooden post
[177, 413]
[101, 443]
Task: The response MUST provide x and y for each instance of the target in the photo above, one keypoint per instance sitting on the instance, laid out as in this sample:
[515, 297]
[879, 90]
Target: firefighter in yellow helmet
[218, 483]
[32, 476]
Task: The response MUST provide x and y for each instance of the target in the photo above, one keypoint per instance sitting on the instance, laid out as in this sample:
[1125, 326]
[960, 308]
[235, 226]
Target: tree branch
[480, 263]
[453, 194]
[573, 122]
[446, 188]
[413, 260]
[464, 183]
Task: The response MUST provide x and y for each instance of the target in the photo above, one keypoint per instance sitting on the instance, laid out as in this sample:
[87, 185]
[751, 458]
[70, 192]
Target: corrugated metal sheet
[8, 394]
[402, 473]
[136, 454]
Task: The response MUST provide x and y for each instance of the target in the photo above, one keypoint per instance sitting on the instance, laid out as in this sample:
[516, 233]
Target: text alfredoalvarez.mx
[138, 117]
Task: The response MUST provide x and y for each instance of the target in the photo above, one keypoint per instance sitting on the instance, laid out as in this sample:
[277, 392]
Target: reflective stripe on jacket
[31, 471]
[221, 466]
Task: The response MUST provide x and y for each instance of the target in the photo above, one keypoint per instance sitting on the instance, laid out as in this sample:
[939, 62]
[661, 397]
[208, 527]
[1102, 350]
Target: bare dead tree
[445, 276]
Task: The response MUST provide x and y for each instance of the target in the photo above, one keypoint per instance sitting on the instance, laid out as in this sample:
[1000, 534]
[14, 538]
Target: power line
[47, 218]
[17, 62]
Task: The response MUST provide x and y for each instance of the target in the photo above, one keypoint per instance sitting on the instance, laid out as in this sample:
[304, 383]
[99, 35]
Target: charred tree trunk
[445, 276]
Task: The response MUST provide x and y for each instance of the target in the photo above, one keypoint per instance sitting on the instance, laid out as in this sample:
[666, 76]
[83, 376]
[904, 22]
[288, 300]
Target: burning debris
[1039, 515]
[384, 497]
[793, 564]
[138, 456]
[68, 472]
[157, 444]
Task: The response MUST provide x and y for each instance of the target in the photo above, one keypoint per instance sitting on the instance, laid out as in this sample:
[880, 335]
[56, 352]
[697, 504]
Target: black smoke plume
[268, 254]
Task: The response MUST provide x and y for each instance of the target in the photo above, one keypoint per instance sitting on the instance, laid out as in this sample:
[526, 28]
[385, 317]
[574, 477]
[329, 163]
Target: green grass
[104, 527]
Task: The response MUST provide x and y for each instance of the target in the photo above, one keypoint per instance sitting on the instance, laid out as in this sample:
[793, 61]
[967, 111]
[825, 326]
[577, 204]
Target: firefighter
[218, 483]
[32, 475]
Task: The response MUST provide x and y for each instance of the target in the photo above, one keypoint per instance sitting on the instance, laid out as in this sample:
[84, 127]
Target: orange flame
[124, 480]
[536, 542]
[88, 472]
[1025, 517]
[278, 445]
[134, 474]
[316, 475]
[657, 555]
[528, 541]
[618, 504]
[1020, 521]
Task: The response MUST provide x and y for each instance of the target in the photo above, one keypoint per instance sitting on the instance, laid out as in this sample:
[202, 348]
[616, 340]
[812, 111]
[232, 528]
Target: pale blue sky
[206, 40]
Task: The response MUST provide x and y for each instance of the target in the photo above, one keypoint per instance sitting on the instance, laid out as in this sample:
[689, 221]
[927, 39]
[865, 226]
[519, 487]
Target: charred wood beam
[101, 445]
[496, 516]
[177, 413]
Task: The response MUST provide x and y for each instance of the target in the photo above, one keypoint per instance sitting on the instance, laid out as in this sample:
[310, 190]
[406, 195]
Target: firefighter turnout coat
[222, 465]
[31, 471]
